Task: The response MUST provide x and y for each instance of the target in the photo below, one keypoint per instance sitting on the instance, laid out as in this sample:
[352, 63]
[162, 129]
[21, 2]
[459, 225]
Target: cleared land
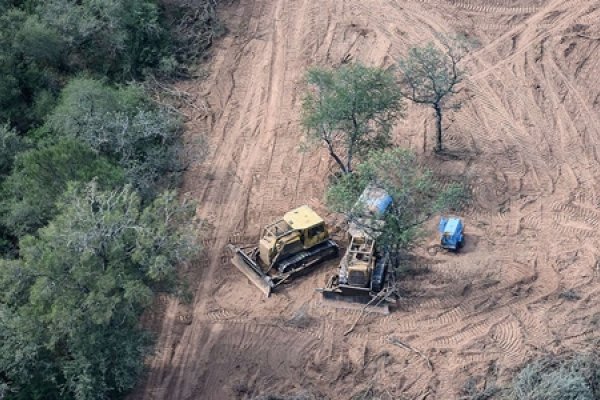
[527, 141]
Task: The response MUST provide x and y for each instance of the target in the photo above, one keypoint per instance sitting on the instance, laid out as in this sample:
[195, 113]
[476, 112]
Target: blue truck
[451, 233]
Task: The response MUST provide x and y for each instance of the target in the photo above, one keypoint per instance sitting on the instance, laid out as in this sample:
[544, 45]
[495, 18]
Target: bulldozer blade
[249, 268]
[337, 300]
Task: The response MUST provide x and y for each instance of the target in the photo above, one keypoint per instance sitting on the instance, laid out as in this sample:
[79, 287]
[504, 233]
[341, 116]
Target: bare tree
[430, 74]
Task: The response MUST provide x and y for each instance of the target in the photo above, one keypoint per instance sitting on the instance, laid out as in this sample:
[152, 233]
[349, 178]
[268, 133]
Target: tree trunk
[438, 127]
[349, 164]
[340, 162]
[353, 138]
[336, 157]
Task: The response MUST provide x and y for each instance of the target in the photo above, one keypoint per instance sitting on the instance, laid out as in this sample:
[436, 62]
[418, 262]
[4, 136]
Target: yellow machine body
[299, 229]
[288, 248]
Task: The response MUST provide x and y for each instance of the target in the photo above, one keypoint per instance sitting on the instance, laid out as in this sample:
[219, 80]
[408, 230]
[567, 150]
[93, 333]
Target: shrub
[30, 57]
[118, 39]
[553, 378]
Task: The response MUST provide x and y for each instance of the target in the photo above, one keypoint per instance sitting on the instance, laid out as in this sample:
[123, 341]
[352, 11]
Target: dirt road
[526, 139]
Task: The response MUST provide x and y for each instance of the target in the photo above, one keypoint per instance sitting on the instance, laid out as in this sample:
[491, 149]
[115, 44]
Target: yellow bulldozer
[289, 247]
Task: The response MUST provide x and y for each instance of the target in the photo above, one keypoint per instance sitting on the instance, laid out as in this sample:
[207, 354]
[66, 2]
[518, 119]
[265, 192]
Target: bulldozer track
[487, 7]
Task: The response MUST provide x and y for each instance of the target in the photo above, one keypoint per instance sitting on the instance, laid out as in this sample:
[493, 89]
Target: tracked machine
[363, 275]
[289, 247]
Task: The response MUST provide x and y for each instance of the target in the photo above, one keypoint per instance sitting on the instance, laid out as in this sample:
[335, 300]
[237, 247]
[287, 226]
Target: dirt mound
[527, 139]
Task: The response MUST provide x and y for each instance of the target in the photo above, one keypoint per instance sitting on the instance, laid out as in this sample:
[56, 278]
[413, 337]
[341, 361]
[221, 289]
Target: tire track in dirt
[526, 140]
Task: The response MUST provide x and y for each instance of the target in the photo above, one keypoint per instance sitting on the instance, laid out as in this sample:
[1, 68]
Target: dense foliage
[10, 145]
[90, 228]
[40, 176]
[123, 126]
[44, 42]
[70, 305]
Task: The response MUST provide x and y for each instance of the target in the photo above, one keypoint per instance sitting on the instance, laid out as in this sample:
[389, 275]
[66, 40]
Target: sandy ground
[526, 140]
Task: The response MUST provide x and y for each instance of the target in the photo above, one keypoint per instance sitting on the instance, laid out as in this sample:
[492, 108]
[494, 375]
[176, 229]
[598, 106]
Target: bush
[43, 43]
[552, 378]
[416, 196]
[118, 39]
[193, 25]
[30, 58]
[127, 39]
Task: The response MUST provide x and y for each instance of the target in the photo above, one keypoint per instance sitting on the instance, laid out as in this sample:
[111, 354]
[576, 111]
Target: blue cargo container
[451, 233]
[374, 201]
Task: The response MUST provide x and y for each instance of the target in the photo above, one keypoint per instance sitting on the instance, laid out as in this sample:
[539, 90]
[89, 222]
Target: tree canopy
[69, 307]
[350, 110]
[121, 124]
[10, 145]
[88, 233]
[40, 177]
[43, 43]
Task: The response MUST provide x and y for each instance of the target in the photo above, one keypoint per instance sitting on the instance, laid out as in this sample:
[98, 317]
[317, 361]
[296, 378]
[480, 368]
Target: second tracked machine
[363, 275]
[289, 247]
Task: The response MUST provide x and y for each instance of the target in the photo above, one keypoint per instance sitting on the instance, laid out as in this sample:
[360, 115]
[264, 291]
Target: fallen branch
[587, 37]
[427, 393]
[362, 311]
[397, 342]
[360, 315]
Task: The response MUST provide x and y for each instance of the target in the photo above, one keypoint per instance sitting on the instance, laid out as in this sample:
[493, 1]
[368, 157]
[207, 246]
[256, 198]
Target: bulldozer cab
[299, 229]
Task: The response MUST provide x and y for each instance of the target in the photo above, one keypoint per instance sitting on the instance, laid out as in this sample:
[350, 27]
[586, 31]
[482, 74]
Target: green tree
[122, 125]
[429, 75]
[44, 43]
[30, 56]
[350, 110]
[40, 177]
[416, 195]
[69, 308]
[11, 144]
[119, 39]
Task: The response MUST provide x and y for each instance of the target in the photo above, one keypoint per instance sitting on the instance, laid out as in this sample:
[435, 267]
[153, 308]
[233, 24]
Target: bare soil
[526, 141]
